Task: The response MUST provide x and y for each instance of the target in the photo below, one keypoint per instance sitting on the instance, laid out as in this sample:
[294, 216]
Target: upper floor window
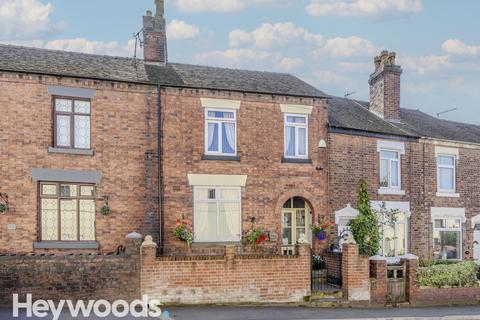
[389, 169]
[220, 132]
[446, 173]
[217, 214]
[67, 212]
[72, 123]
[296, 136]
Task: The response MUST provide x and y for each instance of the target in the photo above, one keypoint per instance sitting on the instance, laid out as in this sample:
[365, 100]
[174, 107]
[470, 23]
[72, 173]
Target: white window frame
[439, 166]
[217, 201]
[297, 126]
[219, 121]
[460, 230]
[399, 169]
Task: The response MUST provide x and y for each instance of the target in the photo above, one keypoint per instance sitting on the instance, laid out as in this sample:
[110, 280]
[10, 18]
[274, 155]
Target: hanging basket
[322, 235]
[105, 210]
[3, 208]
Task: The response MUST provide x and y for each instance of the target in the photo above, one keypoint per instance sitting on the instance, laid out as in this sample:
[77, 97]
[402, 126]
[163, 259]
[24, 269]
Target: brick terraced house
[93, 148]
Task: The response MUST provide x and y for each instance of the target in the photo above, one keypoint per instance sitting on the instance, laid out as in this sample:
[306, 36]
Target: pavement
[295, 313]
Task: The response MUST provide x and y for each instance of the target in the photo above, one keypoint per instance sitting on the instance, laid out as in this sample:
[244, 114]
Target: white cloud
[209, 5]
[346, 47]
[234, 57]
[195, 6]
[425, 64]
[329, 77]
[362, 7]
[288, 64]
[25, 19]
[356, 67]
[457, 47]
[269, 36]
[81, 45]
[180, 30]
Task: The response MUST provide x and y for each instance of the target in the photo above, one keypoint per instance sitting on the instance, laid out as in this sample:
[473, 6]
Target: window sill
[80, 152]
[220, 158]
[295, 160]
[448, 195]
[66, 245]
[390, 191]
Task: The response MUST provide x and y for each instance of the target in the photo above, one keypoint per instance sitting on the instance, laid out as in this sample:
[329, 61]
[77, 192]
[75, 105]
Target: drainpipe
[159, 161]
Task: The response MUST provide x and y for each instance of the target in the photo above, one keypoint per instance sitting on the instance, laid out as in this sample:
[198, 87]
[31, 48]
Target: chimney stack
[155, 35]
[385, 87]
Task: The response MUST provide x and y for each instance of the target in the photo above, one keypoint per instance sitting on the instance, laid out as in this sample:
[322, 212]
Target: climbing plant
[365, 227]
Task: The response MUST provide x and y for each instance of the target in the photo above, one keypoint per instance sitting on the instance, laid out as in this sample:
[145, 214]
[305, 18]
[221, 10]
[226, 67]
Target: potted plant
[184, 232]
[254, 237]
[323, 231]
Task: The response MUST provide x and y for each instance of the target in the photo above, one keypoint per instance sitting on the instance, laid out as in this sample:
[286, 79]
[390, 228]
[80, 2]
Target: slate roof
[33, 60]
[354, 115]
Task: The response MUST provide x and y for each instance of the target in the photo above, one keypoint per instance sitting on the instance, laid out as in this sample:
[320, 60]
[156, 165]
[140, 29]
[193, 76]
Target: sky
[328, 43]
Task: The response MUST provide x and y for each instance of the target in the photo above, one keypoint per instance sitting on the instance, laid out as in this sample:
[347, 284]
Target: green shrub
[463, 274]
[365, 226]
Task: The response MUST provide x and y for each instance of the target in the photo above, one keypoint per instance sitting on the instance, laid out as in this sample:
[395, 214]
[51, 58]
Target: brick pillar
[355, 274]
[148, 251]
[411, 264]
[378, 281]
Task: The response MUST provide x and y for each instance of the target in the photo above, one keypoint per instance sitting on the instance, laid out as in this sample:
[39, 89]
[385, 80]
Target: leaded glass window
[72, 123]
[67, 212]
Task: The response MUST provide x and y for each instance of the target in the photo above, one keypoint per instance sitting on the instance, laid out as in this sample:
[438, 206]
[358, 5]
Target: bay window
[296, 136]
[447, 238]
[67, 212]
[217, 214]
[220, 132]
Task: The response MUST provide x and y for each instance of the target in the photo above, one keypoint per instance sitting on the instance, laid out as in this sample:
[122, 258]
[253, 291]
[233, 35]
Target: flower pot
[321, 235]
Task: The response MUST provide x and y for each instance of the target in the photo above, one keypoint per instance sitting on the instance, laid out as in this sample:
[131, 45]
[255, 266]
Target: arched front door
[296, 222]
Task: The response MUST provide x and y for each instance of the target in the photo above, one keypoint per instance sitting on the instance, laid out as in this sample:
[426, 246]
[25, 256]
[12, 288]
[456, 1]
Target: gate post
[378, 273]
[411, 263]
[355, 273]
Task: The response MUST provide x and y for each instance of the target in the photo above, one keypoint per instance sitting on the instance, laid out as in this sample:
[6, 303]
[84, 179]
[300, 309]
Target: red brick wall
[355, 274]
[75, 276]
[260, 148]
[378, 281]
[352, 158]
[419, 296]
[123, 130]
[226, 279]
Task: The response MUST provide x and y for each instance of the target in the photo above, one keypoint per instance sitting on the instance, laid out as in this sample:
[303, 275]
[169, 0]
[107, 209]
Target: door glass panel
[300, 234]
[401, 243]
[300, 218]
[287, 236]
[298, 202]
[389, 241]
[287, 219]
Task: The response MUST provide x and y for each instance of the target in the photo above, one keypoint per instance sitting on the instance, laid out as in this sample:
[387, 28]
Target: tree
[365, 226]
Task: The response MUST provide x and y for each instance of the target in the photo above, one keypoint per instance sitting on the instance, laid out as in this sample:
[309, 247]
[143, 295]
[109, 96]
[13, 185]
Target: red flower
[178, 221]
[323, 226]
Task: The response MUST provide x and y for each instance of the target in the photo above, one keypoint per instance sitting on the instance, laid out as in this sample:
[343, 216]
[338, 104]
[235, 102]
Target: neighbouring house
[93, 148]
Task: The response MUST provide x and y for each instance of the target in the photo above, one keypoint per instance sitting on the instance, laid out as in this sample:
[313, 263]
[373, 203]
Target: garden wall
[73, 276]
[229, 278]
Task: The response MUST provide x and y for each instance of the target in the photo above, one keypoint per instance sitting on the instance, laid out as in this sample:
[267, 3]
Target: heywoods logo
[100, 308]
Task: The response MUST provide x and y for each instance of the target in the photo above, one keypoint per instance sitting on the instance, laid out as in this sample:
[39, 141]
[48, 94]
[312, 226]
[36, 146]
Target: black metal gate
[321, 281]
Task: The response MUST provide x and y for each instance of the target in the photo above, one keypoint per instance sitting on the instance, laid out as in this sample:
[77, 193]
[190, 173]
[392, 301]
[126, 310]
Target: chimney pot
[385, 87]
[155, 35]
